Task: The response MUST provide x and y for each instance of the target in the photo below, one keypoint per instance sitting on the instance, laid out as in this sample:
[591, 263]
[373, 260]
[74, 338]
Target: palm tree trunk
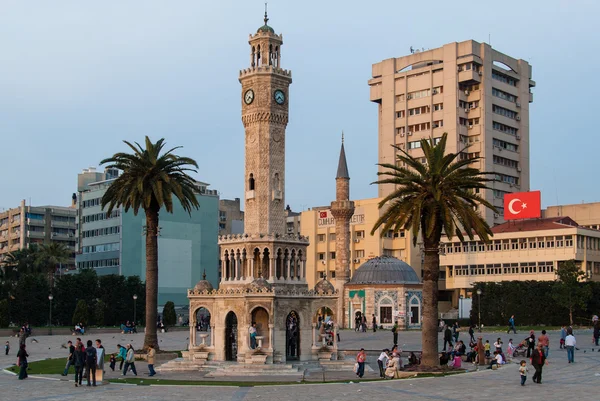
[151, 277]
[429, 333]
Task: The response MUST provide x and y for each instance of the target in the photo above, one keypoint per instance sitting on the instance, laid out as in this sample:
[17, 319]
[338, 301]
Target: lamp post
[50, 298]
[479, 307]
[134, 310]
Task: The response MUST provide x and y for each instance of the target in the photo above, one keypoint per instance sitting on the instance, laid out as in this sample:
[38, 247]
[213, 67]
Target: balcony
[36, 234]
[35, 222]
[469, 77]
[62, 236]
[62, 224]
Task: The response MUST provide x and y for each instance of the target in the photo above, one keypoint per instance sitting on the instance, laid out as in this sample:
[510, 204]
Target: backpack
[394, 329]
[91, 355]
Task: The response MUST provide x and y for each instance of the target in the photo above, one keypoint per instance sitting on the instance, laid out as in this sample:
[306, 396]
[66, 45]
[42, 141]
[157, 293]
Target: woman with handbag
[360, 360]
[22, 362]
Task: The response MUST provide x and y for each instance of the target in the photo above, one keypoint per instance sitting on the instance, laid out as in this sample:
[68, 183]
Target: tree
[149, 179]
[169, 316]
[29, 303]
[570, 290]
[99, 313]
[4, 313]
[50, 257]
[81, 313]
[431, 198]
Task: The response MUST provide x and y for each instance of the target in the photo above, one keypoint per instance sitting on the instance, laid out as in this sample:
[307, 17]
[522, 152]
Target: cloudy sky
[76, 78]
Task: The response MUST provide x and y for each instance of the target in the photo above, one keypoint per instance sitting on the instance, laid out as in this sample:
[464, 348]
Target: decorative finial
[342, 137]
[266, 18]
[204, 275]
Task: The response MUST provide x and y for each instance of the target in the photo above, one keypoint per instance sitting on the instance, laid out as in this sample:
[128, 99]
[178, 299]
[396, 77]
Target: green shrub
[169, 316]
[81, 313]
[4, 313]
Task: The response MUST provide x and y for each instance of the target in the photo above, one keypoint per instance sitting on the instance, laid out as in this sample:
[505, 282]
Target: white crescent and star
[511, 205]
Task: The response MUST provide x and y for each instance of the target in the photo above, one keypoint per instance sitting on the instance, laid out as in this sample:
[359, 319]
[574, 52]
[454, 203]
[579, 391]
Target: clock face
[249, 96]
[279, 96]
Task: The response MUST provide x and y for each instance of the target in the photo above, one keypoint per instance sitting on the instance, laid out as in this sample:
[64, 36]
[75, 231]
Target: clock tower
[264, 97]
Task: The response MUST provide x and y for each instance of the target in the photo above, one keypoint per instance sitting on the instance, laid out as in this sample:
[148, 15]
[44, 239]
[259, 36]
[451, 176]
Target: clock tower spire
[265, 89]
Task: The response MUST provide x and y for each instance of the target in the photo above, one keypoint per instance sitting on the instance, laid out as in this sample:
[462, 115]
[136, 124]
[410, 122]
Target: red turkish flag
[523, 205]
[322, 215]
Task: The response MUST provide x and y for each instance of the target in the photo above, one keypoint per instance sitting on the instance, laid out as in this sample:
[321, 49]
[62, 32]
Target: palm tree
[149, 179]
[433, 198]
[50, 256]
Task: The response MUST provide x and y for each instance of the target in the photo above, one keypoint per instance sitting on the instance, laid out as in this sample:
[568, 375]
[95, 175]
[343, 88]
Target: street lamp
[134, 310]
[479, 307]
[50, 298]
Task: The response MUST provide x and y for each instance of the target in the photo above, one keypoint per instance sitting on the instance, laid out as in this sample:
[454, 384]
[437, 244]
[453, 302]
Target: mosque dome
[265, 28]
[259, 284]
[385, 270]
[204, 284]
[324, 285]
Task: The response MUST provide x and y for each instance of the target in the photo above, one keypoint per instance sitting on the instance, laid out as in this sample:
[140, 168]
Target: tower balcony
[265, 69]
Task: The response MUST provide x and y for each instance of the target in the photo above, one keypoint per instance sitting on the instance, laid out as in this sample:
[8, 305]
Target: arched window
[276, 182]
[271, 55]
[258, 56]
[251, 182]
[253, 56]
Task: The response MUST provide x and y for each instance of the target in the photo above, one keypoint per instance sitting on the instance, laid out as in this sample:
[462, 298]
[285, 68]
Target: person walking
[570, 344]
[357, 322]
[103, 353]
[252, 331]
[151, 354]
[538, 360]
[122, 353]
[447, 337]
[22, 362]
[455, 331]
[472, 334]
[395, 333]
[530, 343]
[364, 324]
[523, 372]
[130, 361]
[360, 359]
[382, 362]
[91, 358]
[6, 347]
[511, 325]
[563, 335]
[596, 332]
[545, 341]
[374, 322]
[70, 358]
[78, 362]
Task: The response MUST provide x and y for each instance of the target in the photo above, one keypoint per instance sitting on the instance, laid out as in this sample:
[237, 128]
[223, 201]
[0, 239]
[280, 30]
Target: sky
[77, 78]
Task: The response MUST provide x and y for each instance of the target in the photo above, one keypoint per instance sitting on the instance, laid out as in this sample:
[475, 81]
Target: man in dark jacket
[90, 362]
[447, 337]
[538, 359]
[78, 362]
[71, 348]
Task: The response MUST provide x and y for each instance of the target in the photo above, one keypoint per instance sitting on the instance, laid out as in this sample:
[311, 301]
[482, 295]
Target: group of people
[79, 329]
[82, 357]
[128, 328]
[389, 362]
[360, 323]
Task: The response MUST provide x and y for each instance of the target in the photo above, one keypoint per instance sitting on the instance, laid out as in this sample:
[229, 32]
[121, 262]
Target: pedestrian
[130, 361]
[360, 359]
[472, 334]
[530, 343]
[570, 344]
[100, 359]
[6, 347]
[395, 332]
[455, 331]
[545, 341]
[22, 337]
[253, 332]
[374, 322]
[382, 362]
[91, 357]
[447, 337]
[70, 358]
[523, 372]
[79, 362]
[121, 353]
[357, 322]
[498, 345]
[511, 325]
[393, 366]
[150, 356]
[538, 360]
[497, 360]
[486, 347]
[510, 349]
[113, 361]
[22, 362]
[563, 335]
[364, 324]
[596, 332]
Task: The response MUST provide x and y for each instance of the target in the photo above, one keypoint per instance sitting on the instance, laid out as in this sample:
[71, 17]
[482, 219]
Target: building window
[504, 95]
[568, 241]
[503, 161]
[505, 128]
[400, 114]
[505, 145]
[331, 236]
[321, 237]
[332, 255]
[321, 255]
[359, 253]
[438, 107]
[360, 234]
[385, 314]
[504, 78]
[504, 112]
[507, 179]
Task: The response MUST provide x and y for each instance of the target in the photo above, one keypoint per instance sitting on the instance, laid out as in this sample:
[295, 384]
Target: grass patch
[520, 329]
[53, 366]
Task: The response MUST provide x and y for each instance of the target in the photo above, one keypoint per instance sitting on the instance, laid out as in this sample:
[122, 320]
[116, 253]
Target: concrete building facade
[23, 226]
[520, 250]
[231, 217]
[476, 94]
[115, 244]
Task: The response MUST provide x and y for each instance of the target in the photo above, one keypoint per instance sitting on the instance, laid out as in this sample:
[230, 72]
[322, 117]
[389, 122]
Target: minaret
[342, 210]
[265, 90]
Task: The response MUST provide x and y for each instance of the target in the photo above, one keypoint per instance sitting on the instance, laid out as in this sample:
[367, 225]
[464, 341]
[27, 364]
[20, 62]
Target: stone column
[271, 339]
[252, 268]
[335, 331]
[212, 336]
[314, 335]
[271, 269]
[192, 342]
[288, 267]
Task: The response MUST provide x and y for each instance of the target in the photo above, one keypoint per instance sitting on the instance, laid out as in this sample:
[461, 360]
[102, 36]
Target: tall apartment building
[115, 244]
[25, 225]
[231, 217]
[476, 94]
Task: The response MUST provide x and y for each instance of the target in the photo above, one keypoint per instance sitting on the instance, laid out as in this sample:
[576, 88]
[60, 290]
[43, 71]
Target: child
[563, 335]
[6, 348]
[487, 348]
[523, 372]
[510, 349]
[113, 361]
